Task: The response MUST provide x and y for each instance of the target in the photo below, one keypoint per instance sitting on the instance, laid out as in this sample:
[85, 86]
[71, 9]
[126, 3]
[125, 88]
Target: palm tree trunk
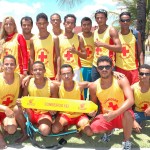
[141, 20]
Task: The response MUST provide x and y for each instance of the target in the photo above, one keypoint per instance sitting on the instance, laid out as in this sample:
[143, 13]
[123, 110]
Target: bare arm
[54, 90]
[32, 54]
[58, 61]
[92, 90]
[116, 45]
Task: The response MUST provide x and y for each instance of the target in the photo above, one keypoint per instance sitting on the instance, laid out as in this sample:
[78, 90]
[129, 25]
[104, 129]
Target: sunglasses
[101, 11]
[125, 20]
[142, 74]
[102, 67]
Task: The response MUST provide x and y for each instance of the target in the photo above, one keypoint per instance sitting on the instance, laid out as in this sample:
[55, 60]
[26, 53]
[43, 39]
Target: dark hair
[72, 16]
[55, 14]
[104, 58]
[86, 19]
[39, 62]
[101, 11]
[27, 18]
[124, 13]
[9, 56]
[145, 66]
[67, 66]
[41, 15]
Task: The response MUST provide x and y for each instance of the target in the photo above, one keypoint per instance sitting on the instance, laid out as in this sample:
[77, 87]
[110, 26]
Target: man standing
[88, 38]
[141, 91]
[55, 20]
[69, 89]
[71, 46]
[116, 99]
[26, 25]
[128, 61]
[106, 41]
[45, 48]
[39, 86]
[10, 83]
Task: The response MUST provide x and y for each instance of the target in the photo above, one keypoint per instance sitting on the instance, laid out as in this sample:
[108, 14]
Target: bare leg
[21, 122]
[2, 142]
[127, 123]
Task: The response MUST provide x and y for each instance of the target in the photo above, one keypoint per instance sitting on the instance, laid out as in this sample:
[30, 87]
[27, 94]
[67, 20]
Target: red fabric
[2, 116]
[132, 75]
[22, 52]
[99, 124]
[72, 121]
[35, 117]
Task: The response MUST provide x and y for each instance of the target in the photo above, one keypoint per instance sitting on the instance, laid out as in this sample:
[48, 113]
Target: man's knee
[45, 129]
[11, 129]
[56, 128]
[127, 115]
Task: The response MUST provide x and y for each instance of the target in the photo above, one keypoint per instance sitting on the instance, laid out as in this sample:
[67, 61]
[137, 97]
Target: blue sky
[20, 8]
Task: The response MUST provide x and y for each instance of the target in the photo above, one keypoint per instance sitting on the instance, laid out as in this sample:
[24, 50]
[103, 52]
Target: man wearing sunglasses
[106, 41]
[128, 61]
[142, 97]
[116, 99]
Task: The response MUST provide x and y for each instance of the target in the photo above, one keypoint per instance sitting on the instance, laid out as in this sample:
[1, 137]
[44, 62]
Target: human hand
[109, 116]
[118, 75]
[73, 49]
[26, 80]
[98, 43]
[147, 111]
[92, 114]
[52, 112]
[9, 113]
[136, 127]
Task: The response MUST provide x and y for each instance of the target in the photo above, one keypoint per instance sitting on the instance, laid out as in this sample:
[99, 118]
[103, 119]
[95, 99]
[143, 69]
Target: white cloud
[18, 10]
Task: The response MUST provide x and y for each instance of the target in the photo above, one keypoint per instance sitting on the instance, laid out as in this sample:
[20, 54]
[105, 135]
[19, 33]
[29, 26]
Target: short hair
[101, 11]
[86, 19]
[145, 66]
[41, 15]
[125, 13]
[39, 62]
[72, 16]
[66, 66]
[55, 14]
[9, 56]
[27, 18]
[104, 58]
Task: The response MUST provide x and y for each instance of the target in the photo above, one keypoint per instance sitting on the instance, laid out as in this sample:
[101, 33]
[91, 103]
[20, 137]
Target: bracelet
[11, 116]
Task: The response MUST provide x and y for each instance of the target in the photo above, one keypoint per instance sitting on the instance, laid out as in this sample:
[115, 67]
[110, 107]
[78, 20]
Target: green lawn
[138, 140]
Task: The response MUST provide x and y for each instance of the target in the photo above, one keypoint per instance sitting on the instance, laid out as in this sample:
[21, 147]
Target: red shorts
[132, 75]
[72, 121]
[35, 117]
[2, 116]
[99, 124]
[52, 78]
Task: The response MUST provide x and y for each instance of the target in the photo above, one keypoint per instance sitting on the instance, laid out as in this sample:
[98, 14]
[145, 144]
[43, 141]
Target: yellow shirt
[9, 92]
[66, 56]
[43, 92]
[127, 60]
[111, 98]
[101, 51]
[142, 100]
[44, 52]
[74, 94]
[11, 47]
[89, 46]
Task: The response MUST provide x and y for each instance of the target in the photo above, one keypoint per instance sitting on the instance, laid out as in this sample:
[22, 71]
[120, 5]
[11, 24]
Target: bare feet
[2, 142]
[23, 138]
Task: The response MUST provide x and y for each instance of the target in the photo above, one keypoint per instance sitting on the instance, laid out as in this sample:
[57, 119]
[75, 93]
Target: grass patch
[138, 140]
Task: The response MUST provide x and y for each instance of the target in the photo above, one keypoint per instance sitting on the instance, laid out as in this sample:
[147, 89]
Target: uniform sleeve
[23, 51]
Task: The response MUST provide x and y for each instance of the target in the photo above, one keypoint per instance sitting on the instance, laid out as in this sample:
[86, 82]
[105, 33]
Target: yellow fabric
[44, 51]
[101, 51]
[11, 47]
[74, 94]
[127, 59]
[142, 100]
[43, 92]
[111, 98]
[9, 92]
[89, 46]
[65, 55]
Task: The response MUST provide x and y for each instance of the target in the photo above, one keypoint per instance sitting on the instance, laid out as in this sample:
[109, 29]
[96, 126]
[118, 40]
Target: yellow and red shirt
[101, 51]
[111, 98]
[9, 92]
[127, 60]
[89, 46]
[142, 100]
